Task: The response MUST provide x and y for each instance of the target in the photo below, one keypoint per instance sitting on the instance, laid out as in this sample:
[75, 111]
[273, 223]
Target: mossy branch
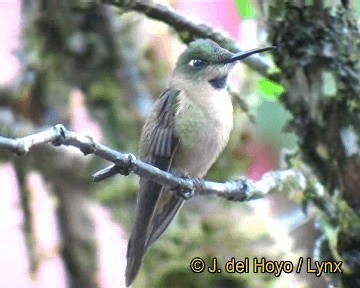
[240, 190]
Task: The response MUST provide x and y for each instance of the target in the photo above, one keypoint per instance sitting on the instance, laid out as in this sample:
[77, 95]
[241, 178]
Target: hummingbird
[188, 128]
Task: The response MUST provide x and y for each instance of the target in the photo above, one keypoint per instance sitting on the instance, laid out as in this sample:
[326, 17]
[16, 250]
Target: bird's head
[204, 62]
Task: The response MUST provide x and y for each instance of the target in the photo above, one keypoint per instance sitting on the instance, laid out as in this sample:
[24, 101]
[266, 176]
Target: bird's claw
[182, 192]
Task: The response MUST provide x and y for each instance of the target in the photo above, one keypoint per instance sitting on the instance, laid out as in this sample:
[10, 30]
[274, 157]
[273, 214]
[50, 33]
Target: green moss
[318, 53]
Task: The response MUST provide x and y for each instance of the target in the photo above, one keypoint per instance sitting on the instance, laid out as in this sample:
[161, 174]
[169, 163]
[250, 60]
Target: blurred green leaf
[245, 9]
[269, 90]
[271, 120]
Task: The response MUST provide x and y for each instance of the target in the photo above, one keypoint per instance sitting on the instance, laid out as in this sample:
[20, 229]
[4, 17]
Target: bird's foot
[184, 192]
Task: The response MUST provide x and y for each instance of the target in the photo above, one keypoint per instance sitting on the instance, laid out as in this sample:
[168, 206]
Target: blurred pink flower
[50, 271]
[112, 243]
[81, 121]
[14, 263]
[217, 13]
[9, 39]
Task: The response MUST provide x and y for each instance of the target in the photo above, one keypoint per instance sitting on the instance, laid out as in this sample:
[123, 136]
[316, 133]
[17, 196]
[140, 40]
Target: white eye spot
[197, 63]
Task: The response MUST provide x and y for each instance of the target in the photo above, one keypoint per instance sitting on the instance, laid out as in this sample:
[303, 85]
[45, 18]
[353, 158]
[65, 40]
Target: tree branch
[124, 163]
[189, 31]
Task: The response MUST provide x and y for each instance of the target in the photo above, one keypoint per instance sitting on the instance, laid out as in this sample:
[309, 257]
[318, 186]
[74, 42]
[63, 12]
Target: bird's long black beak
[242, 55]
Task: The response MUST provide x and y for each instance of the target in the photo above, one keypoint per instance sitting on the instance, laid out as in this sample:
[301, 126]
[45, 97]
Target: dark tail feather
[135, 253]
[132, 268]
[148, 195]
[155, 210]
[164, 218]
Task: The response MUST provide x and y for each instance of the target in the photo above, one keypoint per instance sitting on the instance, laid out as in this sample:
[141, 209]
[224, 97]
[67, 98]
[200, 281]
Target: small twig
[105, 173]
[239, 190]
[189, 31]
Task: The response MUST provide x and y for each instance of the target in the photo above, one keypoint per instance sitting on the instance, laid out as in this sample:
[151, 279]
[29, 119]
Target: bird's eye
[197, 63]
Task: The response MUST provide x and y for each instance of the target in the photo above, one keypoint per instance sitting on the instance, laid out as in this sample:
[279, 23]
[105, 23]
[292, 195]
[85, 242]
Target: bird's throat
[218, 82]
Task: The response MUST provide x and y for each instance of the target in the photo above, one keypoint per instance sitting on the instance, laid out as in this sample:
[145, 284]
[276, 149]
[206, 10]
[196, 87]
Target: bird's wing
[155, 206]
[162, 148]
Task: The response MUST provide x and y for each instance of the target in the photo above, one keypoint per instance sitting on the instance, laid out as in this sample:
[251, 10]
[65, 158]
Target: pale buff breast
[205, 136]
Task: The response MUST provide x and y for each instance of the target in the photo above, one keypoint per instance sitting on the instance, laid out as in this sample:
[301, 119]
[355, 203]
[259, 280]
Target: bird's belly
[197, 160]
[201, 142]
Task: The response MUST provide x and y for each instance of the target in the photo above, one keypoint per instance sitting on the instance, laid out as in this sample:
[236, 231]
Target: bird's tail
[132, 267]
[153, 216]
